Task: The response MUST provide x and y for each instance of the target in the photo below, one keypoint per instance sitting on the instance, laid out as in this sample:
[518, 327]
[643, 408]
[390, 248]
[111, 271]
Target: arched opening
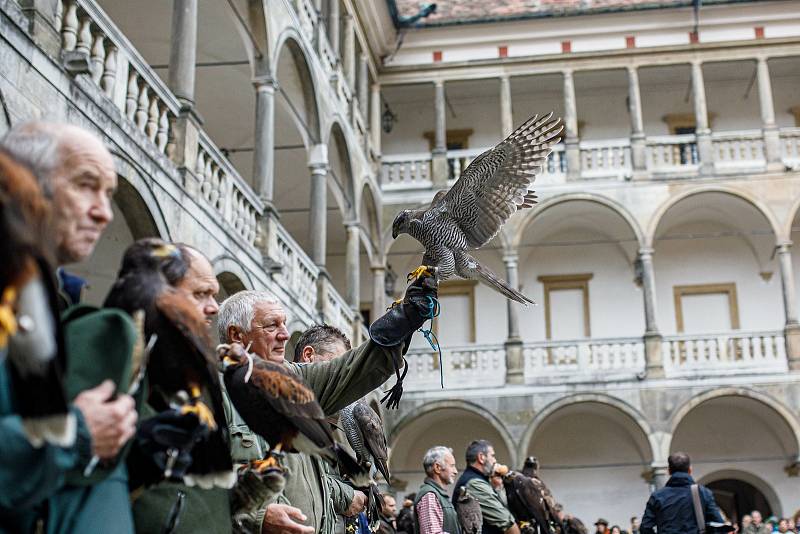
[453, 427]
[737, 498]
[296, 131]
[714, 266]
[340, 207]
[229, 284]
[740, 437]
[576, 259]
[132, 221]
[594, 458]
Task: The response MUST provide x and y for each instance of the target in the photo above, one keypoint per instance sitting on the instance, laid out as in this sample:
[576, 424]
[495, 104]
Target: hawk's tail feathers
[495, 282]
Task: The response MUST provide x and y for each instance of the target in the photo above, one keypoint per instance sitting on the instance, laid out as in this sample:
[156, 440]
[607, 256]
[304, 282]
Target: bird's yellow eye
[164, 250]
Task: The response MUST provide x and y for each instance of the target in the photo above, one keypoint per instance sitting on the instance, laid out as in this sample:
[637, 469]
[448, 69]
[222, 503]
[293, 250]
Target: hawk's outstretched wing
[495, 184]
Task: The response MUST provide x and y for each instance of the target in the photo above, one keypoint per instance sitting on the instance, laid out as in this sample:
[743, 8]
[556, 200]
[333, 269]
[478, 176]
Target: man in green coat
[257, 320]
[202, 510]
[77, 174]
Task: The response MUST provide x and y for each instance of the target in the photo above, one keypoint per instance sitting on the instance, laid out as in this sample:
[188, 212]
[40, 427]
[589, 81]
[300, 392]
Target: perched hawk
[364, 432]
[280, 407]
[471, 213]
[469, 512]
[182, 369]
[527, 503]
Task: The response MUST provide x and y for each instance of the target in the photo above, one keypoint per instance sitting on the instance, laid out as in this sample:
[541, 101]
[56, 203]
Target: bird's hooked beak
[166, 250]
[397, 224]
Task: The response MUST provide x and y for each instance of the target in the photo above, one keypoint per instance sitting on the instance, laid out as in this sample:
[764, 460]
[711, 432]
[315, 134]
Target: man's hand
[111, 422]
[282, 518]
[358, 504]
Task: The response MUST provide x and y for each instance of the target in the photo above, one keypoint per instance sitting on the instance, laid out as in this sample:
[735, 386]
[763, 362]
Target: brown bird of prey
[531, 469]
[469, 512]
[182, 369]
[364, 431]
[491, 189]
[30, 335]
[280, 407]
[527, 503]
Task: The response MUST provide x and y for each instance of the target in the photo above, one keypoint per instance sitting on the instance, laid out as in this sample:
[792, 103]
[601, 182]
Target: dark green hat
[99, 345]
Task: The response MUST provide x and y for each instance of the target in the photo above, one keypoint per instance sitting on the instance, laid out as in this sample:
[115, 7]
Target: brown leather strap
[698, 509]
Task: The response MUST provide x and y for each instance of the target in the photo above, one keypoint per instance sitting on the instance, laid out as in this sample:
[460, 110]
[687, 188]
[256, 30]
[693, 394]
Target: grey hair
[239, 309]
[37, 146]
[435, 455]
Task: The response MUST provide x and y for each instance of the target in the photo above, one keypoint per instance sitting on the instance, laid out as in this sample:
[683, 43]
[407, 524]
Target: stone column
[439, 167]
[705, 150]
[378, 291]
[506, 114]
[772, 146]
[512, 277]
[572, 148]
[363, 84]
[792, 328]
[375, 118]
[515, 361]
[333, 25]
[352, 261]
[349, 52]
[264, 138]
[652, 337]
[318, 216]
[660, 475]
[43, 24]
[183, 50]
[638, 145]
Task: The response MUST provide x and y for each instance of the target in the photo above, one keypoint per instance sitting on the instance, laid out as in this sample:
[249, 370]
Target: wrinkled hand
[357, 505]
[111, 423]
[168, 431]
[282, 518]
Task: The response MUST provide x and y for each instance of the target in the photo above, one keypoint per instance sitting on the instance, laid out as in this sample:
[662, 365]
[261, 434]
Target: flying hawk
[491, 189]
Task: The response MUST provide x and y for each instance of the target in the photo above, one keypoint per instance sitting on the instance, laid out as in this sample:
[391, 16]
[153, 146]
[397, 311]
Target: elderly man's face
[82, 188]
[201, 285]
[449, 469]
[268, 334]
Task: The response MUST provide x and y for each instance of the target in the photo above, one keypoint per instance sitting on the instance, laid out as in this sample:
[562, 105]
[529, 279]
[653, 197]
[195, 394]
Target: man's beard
[488, 469]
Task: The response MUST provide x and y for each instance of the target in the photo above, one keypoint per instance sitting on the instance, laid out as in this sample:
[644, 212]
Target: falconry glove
[166, 440]
[401, 320]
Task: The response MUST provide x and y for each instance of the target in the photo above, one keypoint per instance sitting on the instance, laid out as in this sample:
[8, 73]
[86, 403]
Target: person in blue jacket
[670, 510]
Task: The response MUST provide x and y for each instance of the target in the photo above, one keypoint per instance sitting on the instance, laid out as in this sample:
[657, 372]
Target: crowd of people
[119, 461]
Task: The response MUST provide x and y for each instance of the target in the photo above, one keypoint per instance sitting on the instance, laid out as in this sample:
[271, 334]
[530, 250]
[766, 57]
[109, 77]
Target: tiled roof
[475, 11]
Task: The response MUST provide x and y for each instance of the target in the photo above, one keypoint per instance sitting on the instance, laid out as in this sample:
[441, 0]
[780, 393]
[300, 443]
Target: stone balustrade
[586, 360]
[738, 150]
[607, 159]
[790, 147]
[406, 171]
[339, 313]
[297, 274]
[475, 366]
[91, 44]
[226, 191]
[672, 153]
[725, 353]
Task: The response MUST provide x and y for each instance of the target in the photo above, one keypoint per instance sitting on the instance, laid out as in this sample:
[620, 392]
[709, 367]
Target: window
[458, 298]
[566, 306]
[454, 139]
[705, 308]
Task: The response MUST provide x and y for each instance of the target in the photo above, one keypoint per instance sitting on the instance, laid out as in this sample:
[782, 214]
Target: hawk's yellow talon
[422, 270]
[202, 412]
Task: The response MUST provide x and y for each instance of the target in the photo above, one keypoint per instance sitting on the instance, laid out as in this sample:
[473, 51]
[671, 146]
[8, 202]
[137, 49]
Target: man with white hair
[77, 175]
[257, 320]
[434, 512]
